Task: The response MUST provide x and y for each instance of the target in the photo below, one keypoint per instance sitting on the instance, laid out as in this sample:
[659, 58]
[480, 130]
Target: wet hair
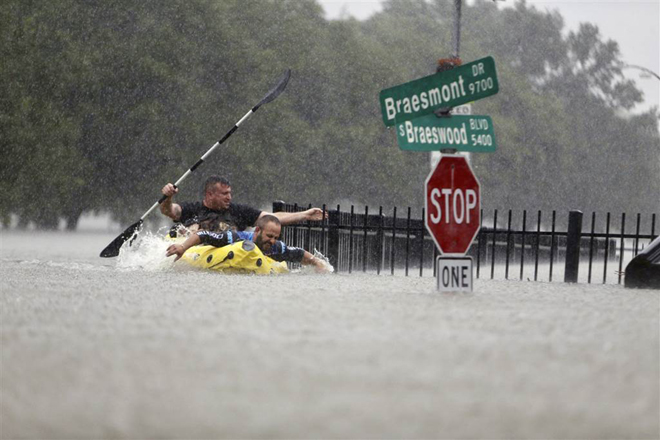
[268, 218]
[214, 180]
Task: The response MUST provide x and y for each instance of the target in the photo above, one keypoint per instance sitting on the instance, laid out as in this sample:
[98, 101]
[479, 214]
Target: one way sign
[454, 274]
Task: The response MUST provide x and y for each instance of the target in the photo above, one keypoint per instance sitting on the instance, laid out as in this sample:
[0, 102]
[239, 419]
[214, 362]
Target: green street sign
[464, 133]
[472, 81]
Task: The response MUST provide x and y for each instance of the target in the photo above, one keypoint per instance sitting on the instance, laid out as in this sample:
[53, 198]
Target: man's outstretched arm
[288, 218]
[282, 252]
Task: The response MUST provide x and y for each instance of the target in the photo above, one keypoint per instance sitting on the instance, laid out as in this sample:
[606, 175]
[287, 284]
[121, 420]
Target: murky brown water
[93, 348]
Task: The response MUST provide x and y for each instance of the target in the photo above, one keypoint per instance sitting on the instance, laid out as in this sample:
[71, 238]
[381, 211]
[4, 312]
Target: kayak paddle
[112, 250]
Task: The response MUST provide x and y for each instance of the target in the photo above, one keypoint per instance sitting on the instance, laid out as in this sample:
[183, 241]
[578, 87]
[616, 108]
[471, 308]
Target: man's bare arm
[180, 248]
[169, 209]
[311, 260]
[288, 218]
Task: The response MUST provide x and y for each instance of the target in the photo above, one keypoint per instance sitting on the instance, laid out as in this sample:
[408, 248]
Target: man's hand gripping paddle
[112, 250]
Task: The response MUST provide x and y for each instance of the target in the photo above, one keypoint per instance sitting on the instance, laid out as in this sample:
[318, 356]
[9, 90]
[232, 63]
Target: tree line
[102, 103]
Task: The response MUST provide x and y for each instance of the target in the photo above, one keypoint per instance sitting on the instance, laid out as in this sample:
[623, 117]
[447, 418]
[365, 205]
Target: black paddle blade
[112, 250]
[275, 91]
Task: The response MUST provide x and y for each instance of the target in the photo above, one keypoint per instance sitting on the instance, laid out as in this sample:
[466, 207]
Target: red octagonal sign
[453, 205]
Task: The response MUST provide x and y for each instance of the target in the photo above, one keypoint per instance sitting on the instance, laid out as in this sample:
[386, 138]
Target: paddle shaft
[202, 159]
[112, 250]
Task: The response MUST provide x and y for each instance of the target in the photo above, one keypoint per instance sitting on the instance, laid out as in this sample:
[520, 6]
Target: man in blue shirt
[265, 236]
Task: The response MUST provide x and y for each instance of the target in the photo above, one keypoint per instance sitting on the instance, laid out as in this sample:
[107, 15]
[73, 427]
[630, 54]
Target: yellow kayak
[243, 257]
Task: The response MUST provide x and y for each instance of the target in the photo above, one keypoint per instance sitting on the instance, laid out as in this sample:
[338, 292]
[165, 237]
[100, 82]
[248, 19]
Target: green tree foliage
[101, 103]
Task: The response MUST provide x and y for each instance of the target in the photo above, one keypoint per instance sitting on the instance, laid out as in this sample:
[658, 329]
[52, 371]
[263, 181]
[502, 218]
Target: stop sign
[452, 204]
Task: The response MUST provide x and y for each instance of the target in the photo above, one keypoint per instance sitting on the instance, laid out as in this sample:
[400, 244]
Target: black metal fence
[520, 246]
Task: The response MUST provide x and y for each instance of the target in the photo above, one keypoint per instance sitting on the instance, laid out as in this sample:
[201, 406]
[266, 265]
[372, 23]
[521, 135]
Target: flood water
[134, 348]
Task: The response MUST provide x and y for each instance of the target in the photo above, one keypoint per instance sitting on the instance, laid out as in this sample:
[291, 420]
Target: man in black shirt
[217, 213]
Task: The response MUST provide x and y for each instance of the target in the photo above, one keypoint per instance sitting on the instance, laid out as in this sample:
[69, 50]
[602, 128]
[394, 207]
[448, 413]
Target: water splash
[325, 260]
[146, 251]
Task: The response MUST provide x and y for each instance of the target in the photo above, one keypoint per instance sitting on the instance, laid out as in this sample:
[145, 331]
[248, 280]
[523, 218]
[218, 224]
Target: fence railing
[520, 247]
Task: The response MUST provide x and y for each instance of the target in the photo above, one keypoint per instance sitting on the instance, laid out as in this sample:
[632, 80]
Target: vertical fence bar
[522, 245]
[421, 245]
[350, 241]
[573, 241]
[295, 227]
[300, 230]
[480, 238]
[317, 238]
[492, 260]
[364, 238]
[309, 233]
[591, 245]
[286, 231]
[623, 227]
[538, 245]
[407, 240]
[508, 240]
[653, 225]
[380, 237]
[392, 253]
[334, 220]
[639, 218]
[304, 226]
[278, 206]
[552, 242]
[607, 247]
[324, 223]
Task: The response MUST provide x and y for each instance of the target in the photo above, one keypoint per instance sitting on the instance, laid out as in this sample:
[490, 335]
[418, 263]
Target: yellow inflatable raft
[243, 257]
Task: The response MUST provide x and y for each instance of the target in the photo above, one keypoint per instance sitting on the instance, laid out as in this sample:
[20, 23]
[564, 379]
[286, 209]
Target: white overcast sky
[635, 25]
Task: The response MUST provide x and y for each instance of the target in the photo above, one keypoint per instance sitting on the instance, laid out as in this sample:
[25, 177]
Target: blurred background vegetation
[103, 102]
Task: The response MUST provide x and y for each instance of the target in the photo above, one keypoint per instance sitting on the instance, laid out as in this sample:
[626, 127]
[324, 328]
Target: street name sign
[464, 133]
[465, 109]
[460, 85]
[454, 274]
[452, 205]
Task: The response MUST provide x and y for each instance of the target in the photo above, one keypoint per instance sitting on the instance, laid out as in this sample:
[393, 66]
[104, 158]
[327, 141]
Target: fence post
[280, 206]
[573, 240]
[333, 238]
